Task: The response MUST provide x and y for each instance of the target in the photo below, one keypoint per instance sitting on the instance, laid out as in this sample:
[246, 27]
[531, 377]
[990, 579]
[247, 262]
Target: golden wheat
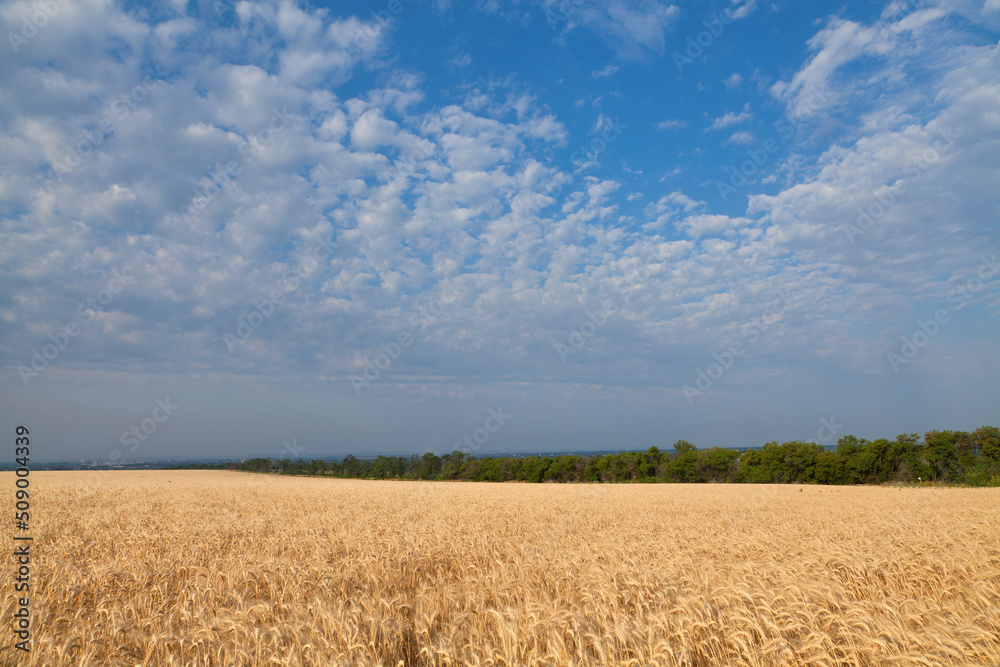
[217, 568]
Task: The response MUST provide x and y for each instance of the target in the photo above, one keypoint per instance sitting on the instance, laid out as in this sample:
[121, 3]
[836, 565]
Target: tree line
[950, 457]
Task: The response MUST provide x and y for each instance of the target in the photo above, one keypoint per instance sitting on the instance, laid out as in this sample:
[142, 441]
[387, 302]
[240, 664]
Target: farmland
[225, 568]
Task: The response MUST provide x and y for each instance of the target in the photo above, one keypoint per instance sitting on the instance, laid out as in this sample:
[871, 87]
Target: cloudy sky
[275, 228]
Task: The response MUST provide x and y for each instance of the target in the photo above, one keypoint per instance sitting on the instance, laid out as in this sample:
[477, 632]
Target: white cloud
[742, 8]
[670, 124]
[461, 60]
[733, 81]
[631, 28]
[876, 206]
[696, 226]
[840, 42]
[670, 208]
[740, 138]
[843, 41]
[371, 131]
[683, 200]
[606, 72]
[731, 118]
[546, 127]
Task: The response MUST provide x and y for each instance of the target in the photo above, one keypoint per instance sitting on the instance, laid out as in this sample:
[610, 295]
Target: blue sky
[278, 228]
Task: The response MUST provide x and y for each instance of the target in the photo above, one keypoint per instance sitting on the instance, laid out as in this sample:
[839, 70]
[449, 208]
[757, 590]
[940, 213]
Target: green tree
[452, 464]
[654, 459]
[684, 447]
[412, 470]
[798, 461]
[567, 468]
[986, 439]
[387, 467]
[533, 468]
[629, 466]
[754, 465]
[595, 468]
[491, 470]
[952, 456]
[350, 466]
[941, 454]
[256, 465]
[830, 468]
[849, 451]
[883, 464]
[430, 466]
[684, 465]
[905, 455]
[718, 464]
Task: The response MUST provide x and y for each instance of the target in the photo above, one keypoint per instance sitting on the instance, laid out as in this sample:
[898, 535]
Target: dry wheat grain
[215, 568]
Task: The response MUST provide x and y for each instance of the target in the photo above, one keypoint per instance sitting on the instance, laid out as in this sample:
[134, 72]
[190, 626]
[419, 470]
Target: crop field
[224, 568]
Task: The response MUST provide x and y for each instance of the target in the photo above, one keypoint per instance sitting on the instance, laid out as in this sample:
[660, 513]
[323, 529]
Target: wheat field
[223, 568]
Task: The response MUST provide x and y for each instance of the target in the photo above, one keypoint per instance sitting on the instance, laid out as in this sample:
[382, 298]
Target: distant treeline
[952, 457]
